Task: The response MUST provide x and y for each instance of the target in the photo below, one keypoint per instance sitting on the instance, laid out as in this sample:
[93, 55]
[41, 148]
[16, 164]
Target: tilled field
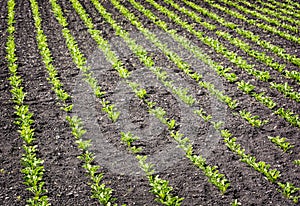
[150, 102]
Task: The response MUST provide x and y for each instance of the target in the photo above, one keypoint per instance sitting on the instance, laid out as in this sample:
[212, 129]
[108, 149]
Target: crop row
[233, 57]
[247, 34]
[273, 13]
[33, 168]
[211, 172]
[257, 55]
[291, 4]
[231, 103]
[272, 174]
[263, 26]
[280, 7]
[99, 191]
[264, 99]
[160, 186]
[261, 16]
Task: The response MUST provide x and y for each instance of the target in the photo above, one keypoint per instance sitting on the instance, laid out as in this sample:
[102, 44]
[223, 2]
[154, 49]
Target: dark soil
[66, 180]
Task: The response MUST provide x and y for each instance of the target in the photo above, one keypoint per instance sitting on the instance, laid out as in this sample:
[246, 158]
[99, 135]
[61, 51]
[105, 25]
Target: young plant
[203, 115]
[288, 190]
[128, 139]
[236, 203]
[246, 86]
[281, 142]
[111, 111]
[171, 124]
[160, 187]
[253, 120]
[297, 162]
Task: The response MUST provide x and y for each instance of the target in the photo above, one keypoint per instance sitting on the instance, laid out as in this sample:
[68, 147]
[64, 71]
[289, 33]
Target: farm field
[154, 102]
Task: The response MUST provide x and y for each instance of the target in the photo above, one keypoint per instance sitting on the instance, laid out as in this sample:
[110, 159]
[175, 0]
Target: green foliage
[297, 162]
[236, 203]
[217, 125]
[263, 26]
[110, 109]
[33, 168]
[281, 143]
[77, 126]
[128, 139]
[246, 86]
[288, 190]
[160, 187]
[253, 120]
[289, 116]
[203, 115]
[159, 113]
[286, 90]
[267, 101]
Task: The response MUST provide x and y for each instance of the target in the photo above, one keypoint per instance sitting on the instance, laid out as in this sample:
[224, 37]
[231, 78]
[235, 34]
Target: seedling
[297, 162]
[111, 111]
[253, 120]
[171, 124]
[142, 93]
[236, 203]
[160, 187]
[246, 86]
[128, 139]
[203, 115]
[76, 125]
[67, 108]
[83, 144]
[281, 142]
[288, 190]
[218, 125]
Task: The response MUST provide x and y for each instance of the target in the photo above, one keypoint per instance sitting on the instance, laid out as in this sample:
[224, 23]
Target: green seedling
[218, 125]
[159, 113]
[288, 190]
[236, 203]
[171, 124]
[246, 86]
[76, 125]
[111, 111]
[67, 108]
[265, 100]
[128, 138]
[296, 162]
[253, 120]
[281, 142]
[142, 93]
[83, 144]
[203, 115]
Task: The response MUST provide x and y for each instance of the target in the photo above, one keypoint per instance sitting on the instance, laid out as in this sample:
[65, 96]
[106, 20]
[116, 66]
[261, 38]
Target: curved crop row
[285, 5]
[253, 120]
[291, 4]
[141, 93]
[280, 8]
[249, 35]
[261, 97]
[99, 190]
[272, 12]
[262, 167]
[260, 56]
[218, 47]
[263, 26]
[263, 17]
[162, 193]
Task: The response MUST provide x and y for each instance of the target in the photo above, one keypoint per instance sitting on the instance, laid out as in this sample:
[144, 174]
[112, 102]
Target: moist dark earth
[64, 177]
